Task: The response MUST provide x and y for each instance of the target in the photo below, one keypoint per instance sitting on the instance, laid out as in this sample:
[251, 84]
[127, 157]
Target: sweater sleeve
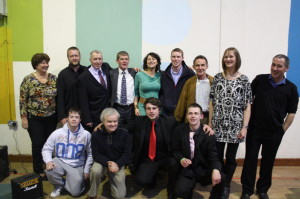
[48, 148]
[126, 151]
[89, 159]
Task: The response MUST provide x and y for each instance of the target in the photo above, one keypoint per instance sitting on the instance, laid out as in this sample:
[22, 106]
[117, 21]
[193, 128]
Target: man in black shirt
[67, 95]
[273, 111]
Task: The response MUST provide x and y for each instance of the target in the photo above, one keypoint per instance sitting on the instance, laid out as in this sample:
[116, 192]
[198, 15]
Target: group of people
[179, 120]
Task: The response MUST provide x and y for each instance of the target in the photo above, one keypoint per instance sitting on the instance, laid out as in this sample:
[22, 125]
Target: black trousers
[126, 116]
[270, 142]
[147, 170]
[230, 165]
[39, 129]
[187, 179]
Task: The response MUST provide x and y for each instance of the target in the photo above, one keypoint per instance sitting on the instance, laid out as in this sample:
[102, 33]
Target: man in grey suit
[122, 87]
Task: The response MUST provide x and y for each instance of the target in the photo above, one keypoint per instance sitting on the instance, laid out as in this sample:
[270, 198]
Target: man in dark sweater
[173, 80]
[273, 111]
[67, 94]
[111, 148]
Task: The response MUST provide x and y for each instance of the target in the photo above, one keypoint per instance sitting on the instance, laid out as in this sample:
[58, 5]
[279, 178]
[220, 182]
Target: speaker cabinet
[4, 168]
[27, 186]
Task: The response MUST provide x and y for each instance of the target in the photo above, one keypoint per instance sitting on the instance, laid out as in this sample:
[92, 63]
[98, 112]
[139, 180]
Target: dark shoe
[225, 193]
[263, 196]
[245, 196]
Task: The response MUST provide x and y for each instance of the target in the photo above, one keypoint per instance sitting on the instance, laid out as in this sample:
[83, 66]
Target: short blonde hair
[108, 112]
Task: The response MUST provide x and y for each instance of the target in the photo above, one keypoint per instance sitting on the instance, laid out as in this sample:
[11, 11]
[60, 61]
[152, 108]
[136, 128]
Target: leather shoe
[263, 196]
[245, 196]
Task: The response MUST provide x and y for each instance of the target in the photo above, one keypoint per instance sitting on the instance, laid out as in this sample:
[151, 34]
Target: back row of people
[228, 111]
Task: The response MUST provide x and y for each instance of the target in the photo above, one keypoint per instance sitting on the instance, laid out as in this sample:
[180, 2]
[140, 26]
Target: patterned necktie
[152, 143]
[102, 81]
[123, 90]
[192, 144]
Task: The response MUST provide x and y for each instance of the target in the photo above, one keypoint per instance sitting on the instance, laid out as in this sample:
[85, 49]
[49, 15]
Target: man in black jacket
[67, 83]
[152, 146]
[196, 152]
[173, 80]
[94, 90]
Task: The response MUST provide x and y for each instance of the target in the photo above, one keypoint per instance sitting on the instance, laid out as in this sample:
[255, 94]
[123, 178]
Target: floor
[286, 185]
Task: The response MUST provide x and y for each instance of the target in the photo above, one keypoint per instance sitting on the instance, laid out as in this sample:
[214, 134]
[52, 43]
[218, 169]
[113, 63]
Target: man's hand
[98, 127]
[112, 167]
[185, 162]
[50, 165]
[215, 177]
[137, 69]
[86, 176]
[63, 121]
[90, 124]
[24, 122]
[208, 130]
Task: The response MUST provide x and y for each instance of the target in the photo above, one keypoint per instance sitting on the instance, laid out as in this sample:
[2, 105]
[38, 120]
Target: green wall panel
[26, 23]
[109, 26]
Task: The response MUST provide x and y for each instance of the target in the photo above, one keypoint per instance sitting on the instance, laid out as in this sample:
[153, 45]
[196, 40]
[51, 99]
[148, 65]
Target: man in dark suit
[94, 90]
[67, 83]
[196, 152]
[122, 90]
[152, 146]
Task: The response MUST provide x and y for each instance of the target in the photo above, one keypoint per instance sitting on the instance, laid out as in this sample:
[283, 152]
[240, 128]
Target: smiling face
[96, 60]
[176, 59]
[151, 62]
[152, 111]
[200, 66]
[42, 67]
[278, 69]
[230, 60]
[123, 62]
[111, 123]
[74, 57]
[73, 119]
[194, 116]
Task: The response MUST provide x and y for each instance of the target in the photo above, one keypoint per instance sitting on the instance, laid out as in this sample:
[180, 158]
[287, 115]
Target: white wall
[258, 28]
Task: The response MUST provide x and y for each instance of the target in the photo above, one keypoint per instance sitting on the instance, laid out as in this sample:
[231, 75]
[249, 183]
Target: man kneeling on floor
[196, 152]
[72, 158]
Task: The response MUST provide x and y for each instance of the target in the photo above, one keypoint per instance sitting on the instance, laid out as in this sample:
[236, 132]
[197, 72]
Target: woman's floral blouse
[38, 98]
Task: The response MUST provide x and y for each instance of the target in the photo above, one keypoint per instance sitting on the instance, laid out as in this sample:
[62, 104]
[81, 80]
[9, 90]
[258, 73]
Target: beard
[74, 65]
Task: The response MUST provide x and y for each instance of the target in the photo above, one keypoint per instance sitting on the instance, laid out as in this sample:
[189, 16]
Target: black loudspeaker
[27, 186]
[4, 168]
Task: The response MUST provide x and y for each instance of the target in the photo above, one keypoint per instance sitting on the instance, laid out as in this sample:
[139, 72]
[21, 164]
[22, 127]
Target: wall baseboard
[278, 162]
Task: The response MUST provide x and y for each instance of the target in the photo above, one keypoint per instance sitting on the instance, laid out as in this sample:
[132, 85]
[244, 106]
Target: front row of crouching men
[187, 153]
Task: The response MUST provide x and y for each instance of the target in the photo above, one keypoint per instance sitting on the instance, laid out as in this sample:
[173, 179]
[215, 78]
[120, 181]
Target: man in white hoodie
[71, 145]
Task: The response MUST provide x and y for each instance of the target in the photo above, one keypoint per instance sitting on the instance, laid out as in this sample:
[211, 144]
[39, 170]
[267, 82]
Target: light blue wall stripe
[294, 44]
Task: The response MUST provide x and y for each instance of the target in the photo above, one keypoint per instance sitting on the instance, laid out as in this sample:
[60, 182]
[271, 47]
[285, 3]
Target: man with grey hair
[111, 147]
[273, 111]
[94, 90]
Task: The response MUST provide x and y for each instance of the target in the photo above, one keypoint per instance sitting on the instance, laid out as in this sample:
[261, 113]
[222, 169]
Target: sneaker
[56, 192]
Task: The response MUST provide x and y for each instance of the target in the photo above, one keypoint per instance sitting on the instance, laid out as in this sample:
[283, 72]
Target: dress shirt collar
[274, 84]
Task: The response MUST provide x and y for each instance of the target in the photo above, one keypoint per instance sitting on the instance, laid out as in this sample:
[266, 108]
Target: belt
[121, 105]
[142, 100]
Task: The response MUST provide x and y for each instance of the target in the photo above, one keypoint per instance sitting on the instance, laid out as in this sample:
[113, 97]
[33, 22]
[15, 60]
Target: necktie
[192, 144]
[102, 81]
[152, 143]
[123, 90]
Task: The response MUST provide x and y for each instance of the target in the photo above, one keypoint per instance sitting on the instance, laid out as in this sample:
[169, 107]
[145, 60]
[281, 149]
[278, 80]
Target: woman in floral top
[231, 96]
[37, 107]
